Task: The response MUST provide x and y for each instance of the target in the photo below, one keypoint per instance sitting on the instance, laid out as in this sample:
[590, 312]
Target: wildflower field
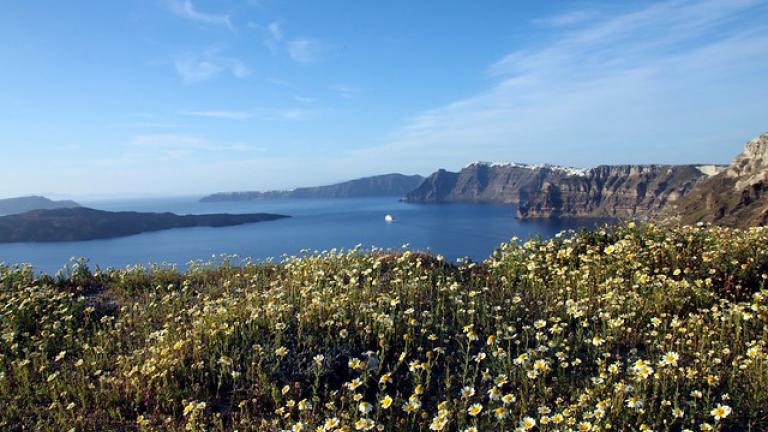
[625, 328]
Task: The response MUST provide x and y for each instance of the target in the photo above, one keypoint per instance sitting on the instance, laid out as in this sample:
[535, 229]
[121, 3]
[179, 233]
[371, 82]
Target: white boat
[388, 218]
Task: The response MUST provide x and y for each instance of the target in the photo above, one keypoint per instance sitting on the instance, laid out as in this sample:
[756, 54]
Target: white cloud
[306, 50]
[302, 50]
[671, 82]
[185, 9]
[303, 99]
[193, 67]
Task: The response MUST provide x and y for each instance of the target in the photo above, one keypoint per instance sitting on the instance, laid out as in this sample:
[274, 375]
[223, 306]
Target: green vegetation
[629, 328]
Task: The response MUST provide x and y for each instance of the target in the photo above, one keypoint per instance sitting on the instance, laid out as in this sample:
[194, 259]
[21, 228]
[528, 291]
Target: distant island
[27, 203]
[396, 185]
[81, 223]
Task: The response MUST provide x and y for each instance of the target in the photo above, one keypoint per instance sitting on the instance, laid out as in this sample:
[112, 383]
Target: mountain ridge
[394, 184]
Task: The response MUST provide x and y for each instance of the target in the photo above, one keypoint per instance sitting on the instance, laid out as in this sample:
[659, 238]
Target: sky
[183, 97]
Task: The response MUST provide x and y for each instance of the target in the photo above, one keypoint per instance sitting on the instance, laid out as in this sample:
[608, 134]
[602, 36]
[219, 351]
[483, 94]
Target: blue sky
[176, 97]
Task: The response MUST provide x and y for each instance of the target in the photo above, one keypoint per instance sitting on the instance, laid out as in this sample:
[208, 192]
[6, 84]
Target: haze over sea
[453, 230]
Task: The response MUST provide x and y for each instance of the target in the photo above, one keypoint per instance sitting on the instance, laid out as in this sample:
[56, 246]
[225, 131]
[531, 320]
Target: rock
[736, 197]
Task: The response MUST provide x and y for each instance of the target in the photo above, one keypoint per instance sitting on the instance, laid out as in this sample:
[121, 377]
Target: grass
[627, 328]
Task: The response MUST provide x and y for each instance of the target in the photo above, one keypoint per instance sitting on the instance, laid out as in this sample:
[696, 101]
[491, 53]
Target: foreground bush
[632, 328]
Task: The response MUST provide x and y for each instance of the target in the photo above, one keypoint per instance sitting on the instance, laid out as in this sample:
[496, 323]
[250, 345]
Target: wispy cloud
[281, 83]
[303, 50]
[306, 50]
[228, 115]
[566, 19]
[267, 114]
[174, 146]
[187, 10]
[344, 90]
[170, 140]
[193, 67]
[626, 88]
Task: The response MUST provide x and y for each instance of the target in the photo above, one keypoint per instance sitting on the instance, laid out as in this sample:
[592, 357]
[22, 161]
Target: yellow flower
[365, 407]
[528, 423]
[720, 412]
[438, 423]
[386, 402]
[364, 424]
[331, 423]
[508, 399]
[474, 409]
[670, 359]
[500, 413]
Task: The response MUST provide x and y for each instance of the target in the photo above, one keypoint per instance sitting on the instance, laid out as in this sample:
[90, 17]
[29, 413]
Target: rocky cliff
[542, 191]
[737, 196]
[381, 185]
[624, 191]
[486, 182]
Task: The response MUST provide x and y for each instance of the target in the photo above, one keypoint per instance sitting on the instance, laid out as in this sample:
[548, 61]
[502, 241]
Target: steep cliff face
[626, 191]
[486, 182]
[737, 196]
[543, 191]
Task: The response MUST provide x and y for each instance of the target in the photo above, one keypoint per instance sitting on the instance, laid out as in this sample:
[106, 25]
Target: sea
[455, 231]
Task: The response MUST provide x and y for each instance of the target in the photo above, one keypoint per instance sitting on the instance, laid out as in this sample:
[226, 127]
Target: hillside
[27, 203]
[396, 185]
[737, 196]
[624, 191]
[88, 224]
[637, 328]
[542, 191]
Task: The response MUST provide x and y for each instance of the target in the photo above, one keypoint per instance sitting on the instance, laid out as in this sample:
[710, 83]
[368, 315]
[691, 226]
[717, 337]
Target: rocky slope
[543, 191]
[27, 203]
[382, 185]
[737, 196]
[83, 223]
[624, 191]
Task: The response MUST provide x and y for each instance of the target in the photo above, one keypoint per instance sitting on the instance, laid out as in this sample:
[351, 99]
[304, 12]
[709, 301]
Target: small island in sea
[82, 223]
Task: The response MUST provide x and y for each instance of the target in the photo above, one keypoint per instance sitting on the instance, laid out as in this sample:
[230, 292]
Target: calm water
[454, 230]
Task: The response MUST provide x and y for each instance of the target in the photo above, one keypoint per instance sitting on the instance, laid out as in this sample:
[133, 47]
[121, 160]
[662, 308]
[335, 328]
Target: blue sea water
[453, 230]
